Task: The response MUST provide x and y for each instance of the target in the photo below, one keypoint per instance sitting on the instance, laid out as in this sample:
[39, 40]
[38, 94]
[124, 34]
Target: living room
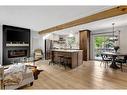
[66, 70]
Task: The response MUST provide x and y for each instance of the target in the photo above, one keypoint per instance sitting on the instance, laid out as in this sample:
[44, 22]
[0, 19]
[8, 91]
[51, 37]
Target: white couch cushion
[15, 68]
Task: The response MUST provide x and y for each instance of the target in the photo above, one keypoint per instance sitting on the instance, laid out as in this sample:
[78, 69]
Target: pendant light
[116, 47]
[113, 31]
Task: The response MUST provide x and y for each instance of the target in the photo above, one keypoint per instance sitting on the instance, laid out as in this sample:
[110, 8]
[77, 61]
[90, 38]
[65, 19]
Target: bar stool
[67, 61]
[61, 59]
[52, 60]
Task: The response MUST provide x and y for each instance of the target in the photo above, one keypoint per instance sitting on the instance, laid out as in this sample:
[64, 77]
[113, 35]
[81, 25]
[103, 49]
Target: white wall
[123, 39]
[36, 41]
[1, 45]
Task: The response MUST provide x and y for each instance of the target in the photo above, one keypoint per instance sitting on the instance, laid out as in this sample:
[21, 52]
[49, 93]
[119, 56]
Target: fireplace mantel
[13, 45]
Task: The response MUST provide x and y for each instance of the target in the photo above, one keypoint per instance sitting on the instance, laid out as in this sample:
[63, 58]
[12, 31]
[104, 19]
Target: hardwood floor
[89, 75]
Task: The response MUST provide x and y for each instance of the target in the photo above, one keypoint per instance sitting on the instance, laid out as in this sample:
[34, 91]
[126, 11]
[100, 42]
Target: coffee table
[27, 61]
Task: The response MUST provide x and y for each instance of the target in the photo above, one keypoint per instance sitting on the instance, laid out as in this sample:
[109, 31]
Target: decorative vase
[116, 48]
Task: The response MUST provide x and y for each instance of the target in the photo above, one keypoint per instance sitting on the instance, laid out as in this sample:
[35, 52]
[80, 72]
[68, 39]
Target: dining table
[113, 56]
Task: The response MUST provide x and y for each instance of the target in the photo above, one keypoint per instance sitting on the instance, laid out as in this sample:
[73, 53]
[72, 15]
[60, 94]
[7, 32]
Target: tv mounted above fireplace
[17, 36]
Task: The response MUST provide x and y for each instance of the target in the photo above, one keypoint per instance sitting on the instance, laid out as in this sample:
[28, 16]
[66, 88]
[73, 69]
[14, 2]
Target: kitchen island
[75, 57]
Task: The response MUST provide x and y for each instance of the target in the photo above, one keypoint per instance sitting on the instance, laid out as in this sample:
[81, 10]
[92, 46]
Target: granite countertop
[62, 50]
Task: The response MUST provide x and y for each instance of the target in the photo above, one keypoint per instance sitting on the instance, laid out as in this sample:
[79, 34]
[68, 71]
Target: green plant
[99, 40]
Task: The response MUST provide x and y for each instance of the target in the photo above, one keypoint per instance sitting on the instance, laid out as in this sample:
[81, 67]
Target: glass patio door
[103, 43]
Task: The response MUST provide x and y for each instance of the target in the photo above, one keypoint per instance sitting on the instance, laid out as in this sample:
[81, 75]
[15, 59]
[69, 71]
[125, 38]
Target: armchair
[38, 54]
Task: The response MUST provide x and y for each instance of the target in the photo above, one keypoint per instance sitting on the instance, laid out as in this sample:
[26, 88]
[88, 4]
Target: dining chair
[105, 60]
[122, 61]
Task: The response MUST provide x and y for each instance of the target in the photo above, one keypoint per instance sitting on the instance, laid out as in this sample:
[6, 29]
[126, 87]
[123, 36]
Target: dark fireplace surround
[18, 47]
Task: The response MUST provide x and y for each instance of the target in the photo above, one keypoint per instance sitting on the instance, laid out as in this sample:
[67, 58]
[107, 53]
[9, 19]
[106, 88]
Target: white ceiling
[41, 17]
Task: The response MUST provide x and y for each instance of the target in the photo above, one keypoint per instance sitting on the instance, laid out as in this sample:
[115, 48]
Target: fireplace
[17, 53]
[14, 53]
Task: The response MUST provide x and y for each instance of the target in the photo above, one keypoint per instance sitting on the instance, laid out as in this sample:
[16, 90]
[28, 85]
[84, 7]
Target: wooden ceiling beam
[116, 11]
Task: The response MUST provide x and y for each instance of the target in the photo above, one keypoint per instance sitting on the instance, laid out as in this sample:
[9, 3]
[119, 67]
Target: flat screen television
[17, 36]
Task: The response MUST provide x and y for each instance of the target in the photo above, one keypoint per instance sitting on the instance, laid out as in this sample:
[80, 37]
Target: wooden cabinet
[85, 43]
[48, 47]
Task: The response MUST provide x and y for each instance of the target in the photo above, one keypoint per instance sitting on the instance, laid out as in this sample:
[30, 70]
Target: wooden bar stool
[67, 60]
[61, 59]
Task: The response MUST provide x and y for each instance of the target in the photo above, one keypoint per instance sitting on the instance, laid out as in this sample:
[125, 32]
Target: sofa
[27, 78]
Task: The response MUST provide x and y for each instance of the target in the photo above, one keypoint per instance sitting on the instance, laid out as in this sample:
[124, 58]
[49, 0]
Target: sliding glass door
[103, 43]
